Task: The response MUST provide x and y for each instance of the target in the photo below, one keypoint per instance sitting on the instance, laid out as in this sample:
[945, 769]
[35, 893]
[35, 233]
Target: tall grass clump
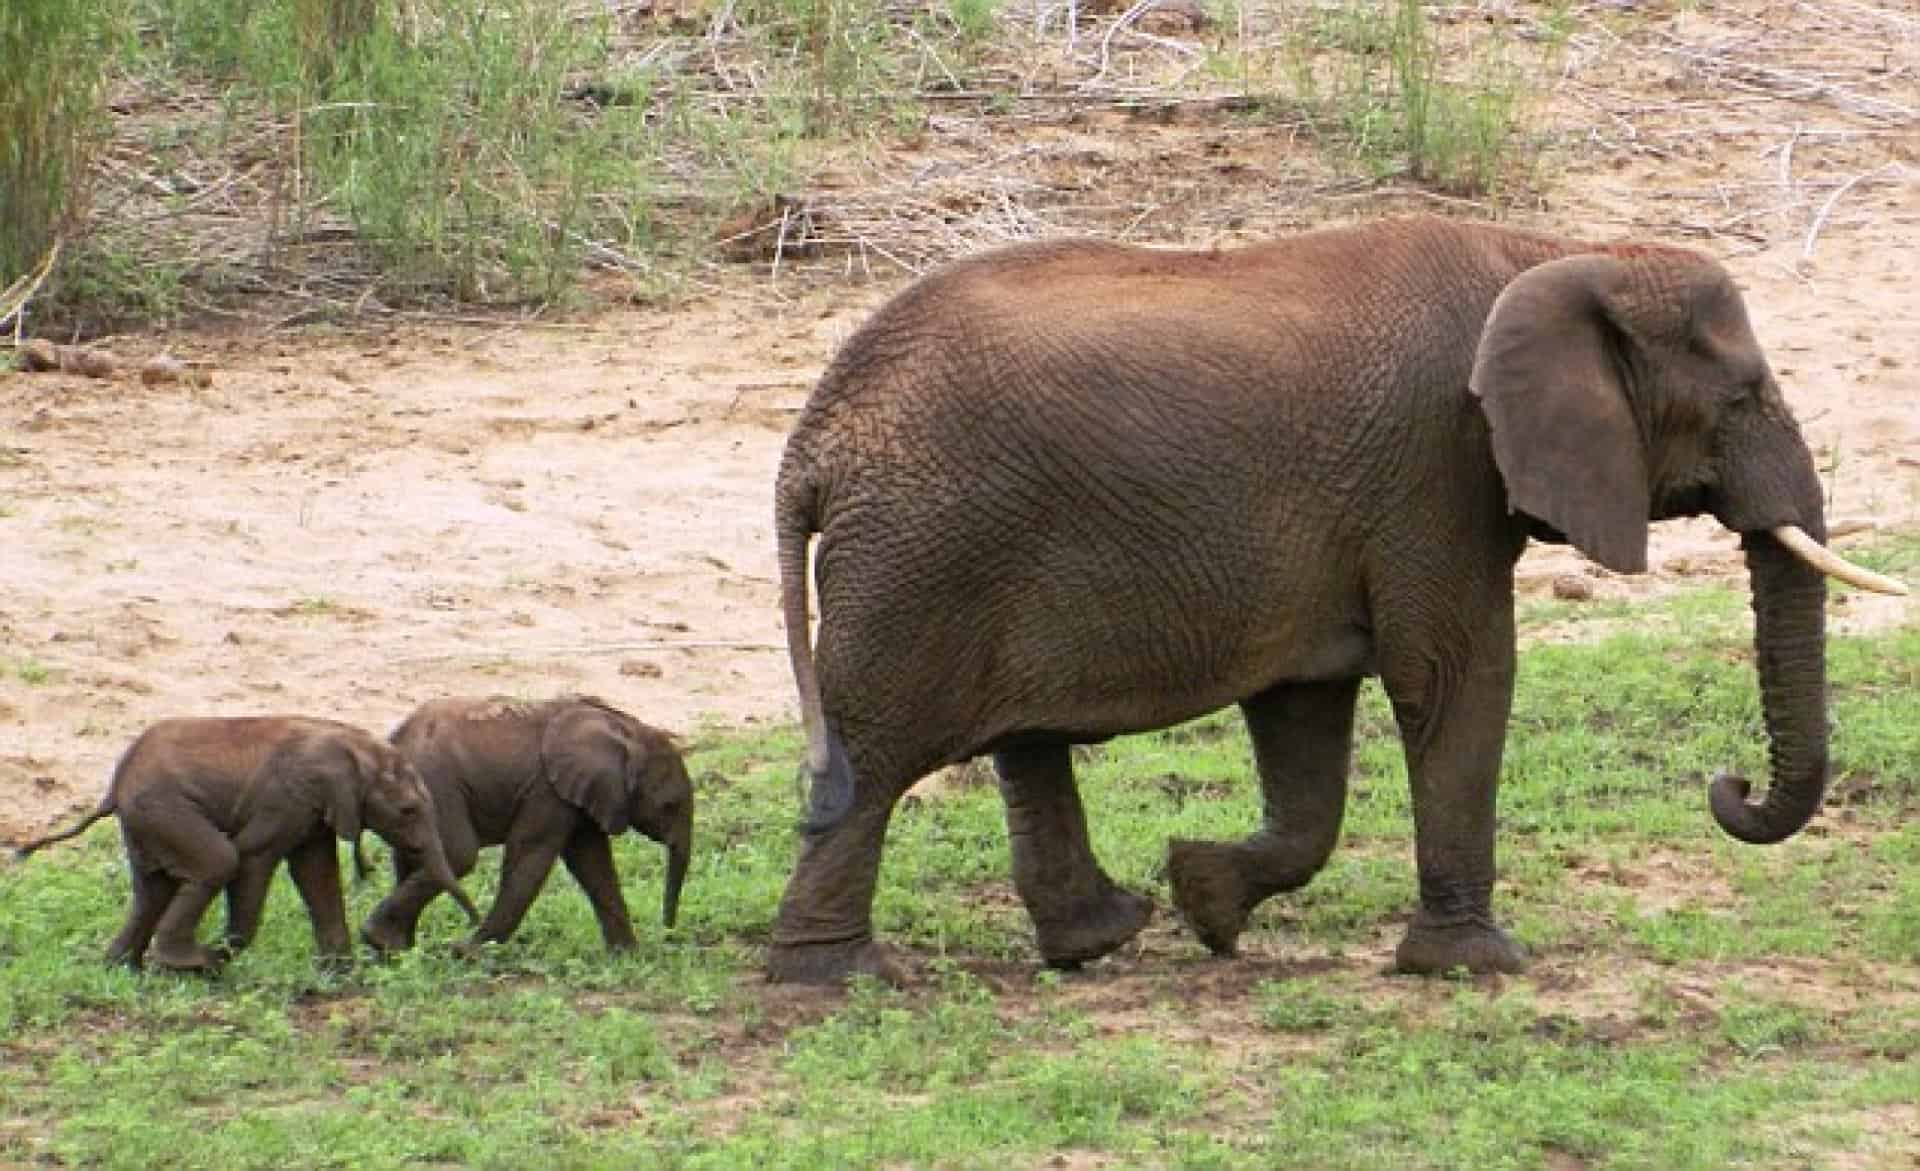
[448, 142]
[53, 57]
[1450, 107]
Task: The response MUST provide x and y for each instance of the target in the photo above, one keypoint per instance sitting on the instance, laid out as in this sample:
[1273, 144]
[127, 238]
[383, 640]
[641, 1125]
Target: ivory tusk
[1832, 564]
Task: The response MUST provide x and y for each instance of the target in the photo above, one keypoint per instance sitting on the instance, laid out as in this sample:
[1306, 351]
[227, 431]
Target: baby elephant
[550, 780]
[207, 805]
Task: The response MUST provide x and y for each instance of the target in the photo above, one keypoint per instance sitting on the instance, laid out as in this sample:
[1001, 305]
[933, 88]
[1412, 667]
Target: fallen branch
[13, 302]
[603, 648]
[1813, 233]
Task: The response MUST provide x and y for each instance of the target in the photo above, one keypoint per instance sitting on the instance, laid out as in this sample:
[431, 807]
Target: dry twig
[1826, 209]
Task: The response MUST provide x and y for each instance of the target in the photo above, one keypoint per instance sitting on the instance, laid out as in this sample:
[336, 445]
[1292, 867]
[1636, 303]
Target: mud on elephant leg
[1078, 913]
[1454, 736]
[1302, 741]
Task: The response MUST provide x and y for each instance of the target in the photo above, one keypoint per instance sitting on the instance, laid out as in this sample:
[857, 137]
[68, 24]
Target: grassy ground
[1695, 1003]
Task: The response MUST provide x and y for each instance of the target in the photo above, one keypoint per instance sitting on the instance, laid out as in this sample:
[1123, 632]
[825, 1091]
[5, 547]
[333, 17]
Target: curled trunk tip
[1744, 819]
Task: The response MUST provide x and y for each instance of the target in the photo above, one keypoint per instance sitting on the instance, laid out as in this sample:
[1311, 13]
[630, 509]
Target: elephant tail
[795, 521]
[106, 808]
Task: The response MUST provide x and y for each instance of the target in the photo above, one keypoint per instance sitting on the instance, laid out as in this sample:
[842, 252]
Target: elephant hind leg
[177, 838]
[1302, 741]
[1453, 725]
[1079, 914]
[823, 933]
[152, 891]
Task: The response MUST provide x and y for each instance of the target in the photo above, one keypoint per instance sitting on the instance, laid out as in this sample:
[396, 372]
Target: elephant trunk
[679, 853]
[434, 860]
[1789, 606]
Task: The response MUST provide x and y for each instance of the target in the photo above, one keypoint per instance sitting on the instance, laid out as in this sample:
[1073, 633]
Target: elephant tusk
[1832, 564]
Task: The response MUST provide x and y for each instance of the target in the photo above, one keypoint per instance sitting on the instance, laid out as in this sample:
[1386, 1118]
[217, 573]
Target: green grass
[1695, 1003]
[31, 672]
[1451, 108]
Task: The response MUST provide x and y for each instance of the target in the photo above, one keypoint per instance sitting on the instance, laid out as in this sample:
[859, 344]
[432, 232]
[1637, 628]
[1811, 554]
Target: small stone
[1570, 587]
[640, 669]
[88, 363]
[39, 354]
[161, 369]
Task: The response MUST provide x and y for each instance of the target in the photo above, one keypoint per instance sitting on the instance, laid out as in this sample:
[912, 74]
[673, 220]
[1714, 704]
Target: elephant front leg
[1454, 727]
[314, 866]
[246, 899]
[589, 858]
[1078, 913]
[523, 872]
[1302, 740]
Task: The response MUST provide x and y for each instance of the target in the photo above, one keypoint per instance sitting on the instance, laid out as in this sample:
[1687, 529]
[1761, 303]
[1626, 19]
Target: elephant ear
[586, 757]
[308, 774]
[1547, 374]
[342, 773]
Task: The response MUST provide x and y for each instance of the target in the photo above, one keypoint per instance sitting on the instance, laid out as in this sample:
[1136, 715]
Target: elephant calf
[551, 781]
[207, 805]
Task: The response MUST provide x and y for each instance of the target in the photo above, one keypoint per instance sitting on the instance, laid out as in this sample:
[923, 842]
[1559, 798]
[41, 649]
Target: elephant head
[1625, 386]
[355, 780]
[624, 775]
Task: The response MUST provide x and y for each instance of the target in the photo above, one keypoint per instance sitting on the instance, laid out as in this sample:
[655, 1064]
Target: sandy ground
[348, 524]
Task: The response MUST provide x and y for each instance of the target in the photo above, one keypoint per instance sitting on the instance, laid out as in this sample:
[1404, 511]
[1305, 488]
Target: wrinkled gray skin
[1066, 491]
[551, 781]
[207, 805]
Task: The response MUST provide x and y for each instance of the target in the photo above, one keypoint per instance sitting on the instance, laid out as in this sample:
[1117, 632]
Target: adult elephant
[1070, 490]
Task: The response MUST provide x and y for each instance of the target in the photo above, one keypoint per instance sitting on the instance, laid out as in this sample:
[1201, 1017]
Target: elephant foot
[1209, 891]
[385, 937]
[1086, 929]
[1477, 945]
[833, 963]
[186, 958]
[474, 946]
